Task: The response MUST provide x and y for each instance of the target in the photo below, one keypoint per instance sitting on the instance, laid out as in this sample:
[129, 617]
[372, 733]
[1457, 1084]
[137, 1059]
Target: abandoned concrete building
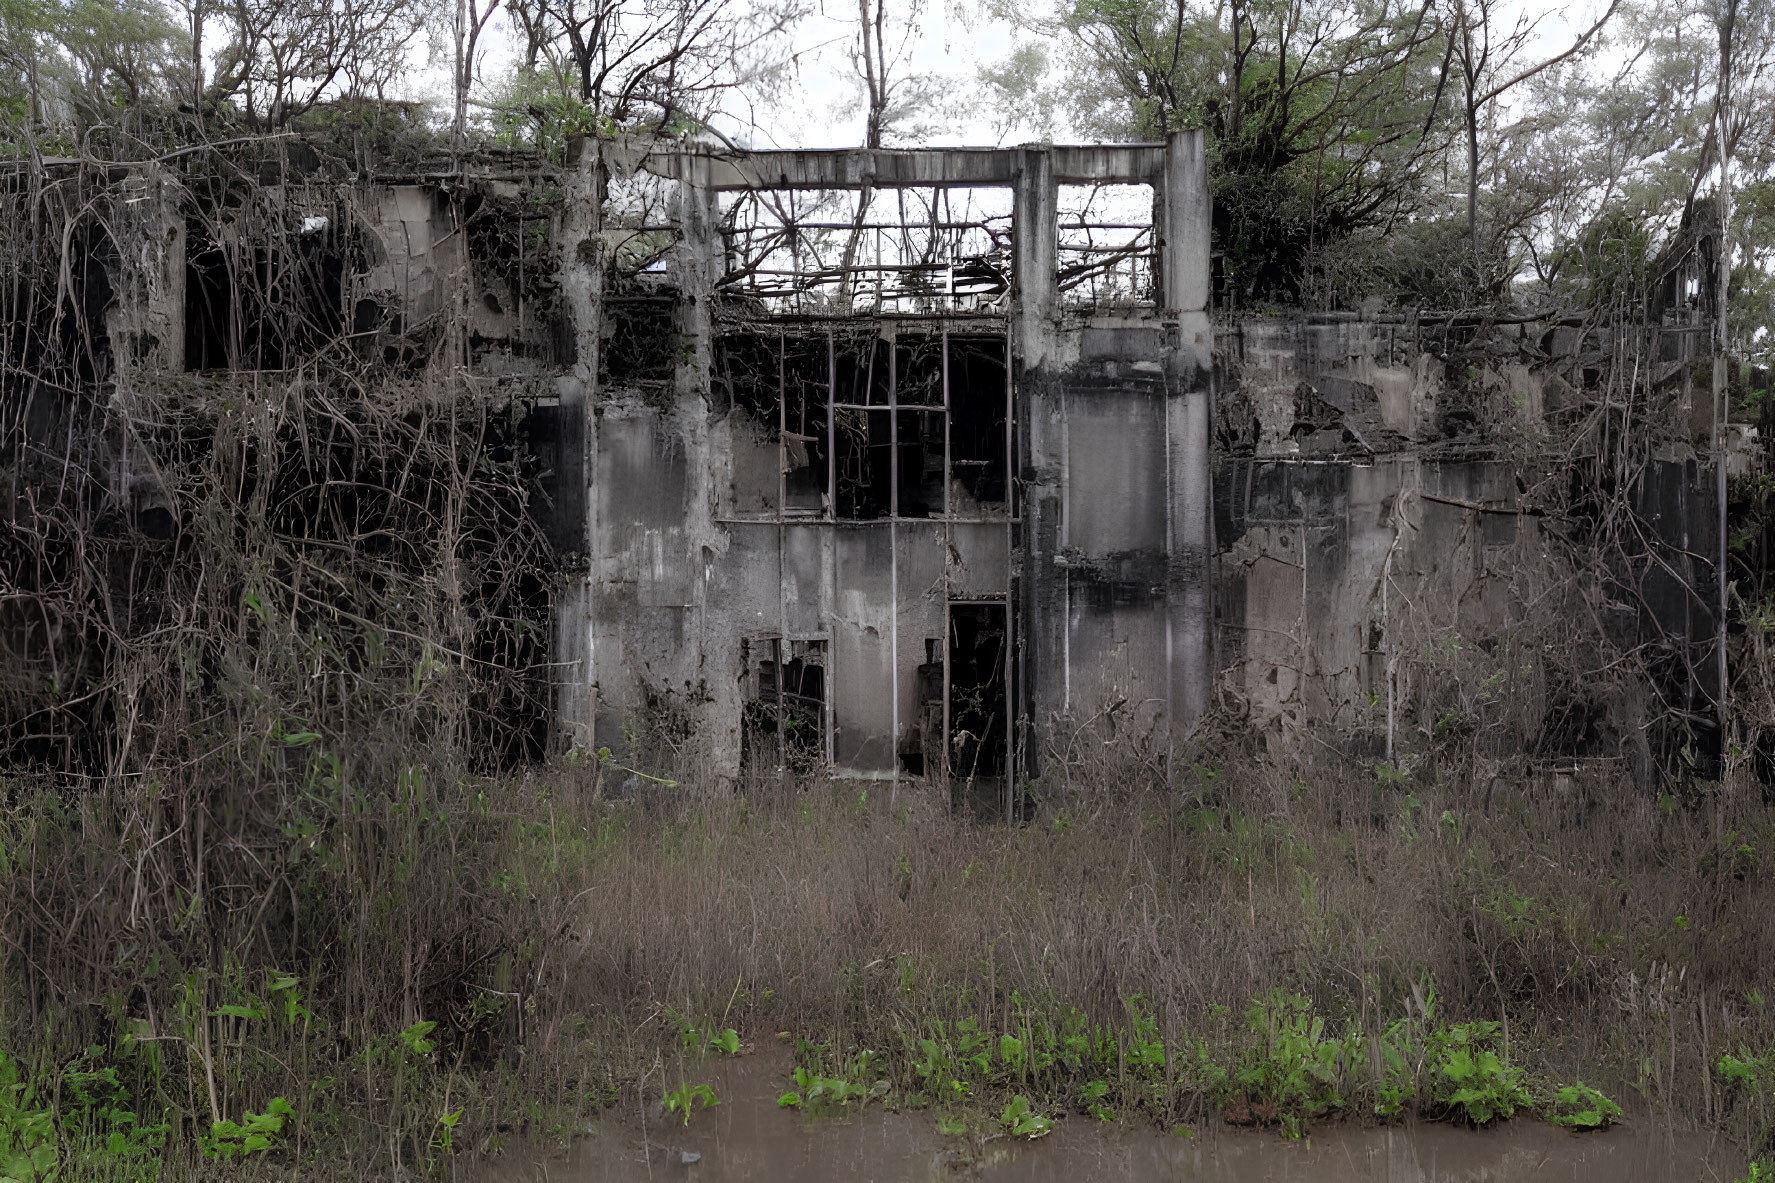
[915, 463]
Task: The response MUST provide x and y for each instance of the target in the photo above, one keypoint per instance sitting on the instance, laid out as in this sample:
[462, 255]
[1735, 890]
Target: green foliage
[681, 1099]
[1753, 1073]
[858, 1080]
[1300, 1068]
[701, 1036]
[27, 1128]
[1580, 1107]
[947, 1064]
[445, 1137]
[1310, 139]
[1468, 1079]
[1020, 1121]
[414, 1038]
[253, 1134]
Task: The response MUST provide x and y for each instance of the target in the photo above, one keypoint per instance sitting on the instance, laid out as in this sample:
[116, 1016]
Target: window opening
[786, 714]
[1106, 246]
[640, 336]
[921, 463]
[286, 300]
[921, 745]
[979, 433]
[920, 427]
[209, 300]
[863, 470]
[806, 378]
[907, 250]
[746, 376]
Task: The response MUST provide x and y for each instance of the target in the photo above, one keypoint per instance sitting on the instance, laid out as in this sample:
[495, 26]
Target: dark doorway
[979, 707]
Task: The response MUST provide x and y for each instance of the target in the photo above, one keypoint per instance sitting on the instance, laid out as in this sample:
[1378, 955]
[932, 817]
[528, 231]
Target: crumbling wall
[1426, 536]
[254, 476]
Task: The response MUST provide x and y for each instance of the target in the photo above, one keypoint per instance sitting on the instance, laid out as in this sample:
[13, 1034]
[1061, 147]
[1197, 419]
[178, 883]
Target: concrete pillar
[1037, 398]
[1035, 267]
[1184, 245]
[1189, 364]
[582, 287]
[698, 264]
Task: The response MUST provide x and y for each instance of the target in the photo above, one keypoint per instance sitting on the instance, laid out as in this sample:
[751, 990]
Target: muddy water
[747, 1137]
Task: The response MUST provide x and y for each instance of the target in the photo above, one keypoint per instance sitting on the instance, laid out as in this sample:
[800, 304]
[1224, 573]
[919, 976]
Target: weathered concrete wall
[1379, 544]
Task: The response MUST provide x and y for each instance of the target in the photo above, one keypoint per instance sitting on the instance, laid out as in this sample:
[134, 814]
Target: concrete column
[582, 288]
[1035, 278]
[709, 645]
[1189, 364]
[1037, 400]
[1184, 245]
[698, 266]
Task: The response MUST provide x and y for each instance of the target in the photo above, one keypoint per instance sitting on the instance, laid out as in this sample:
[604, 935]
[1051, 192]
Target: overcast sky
[821, 105]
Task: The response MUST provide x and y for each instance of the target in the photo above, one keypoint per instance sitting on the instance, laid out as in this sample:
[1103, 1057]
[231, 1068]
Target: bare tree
[1482, 52]
[471, 21]
[282, 57]
[661, 62]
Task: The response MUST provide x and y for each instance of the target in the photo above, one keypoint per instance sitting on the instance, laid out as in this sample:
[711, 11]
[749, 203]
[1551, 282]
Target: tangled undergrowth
[416, 962]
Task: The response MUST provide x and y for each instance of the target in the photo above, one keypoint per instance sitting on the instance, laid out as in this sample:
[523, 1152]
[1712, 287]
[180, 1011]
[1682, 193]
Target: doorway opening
[979, 738]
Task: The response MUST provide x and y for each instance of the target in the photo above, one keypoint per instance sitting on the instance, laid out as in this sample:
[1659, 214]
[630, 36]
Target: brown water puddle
[747, 1137]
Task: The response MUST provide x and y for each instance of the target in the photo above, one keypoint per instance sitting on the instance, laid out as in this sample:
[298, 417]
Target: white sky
[821, 105]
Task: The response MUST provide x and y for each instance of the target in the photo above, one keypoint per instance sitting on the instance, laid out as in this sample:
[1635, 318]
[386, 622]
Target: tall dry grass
[551, 932]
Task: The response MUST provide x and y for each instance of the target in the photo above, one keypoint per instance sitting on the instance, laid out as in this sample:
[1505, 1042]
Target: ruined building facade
[935, 463]
[889, 454]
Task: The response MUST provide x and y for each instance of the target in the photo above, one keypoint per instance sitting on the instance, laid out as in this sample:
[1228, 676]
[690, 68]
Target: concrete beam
[890, 168]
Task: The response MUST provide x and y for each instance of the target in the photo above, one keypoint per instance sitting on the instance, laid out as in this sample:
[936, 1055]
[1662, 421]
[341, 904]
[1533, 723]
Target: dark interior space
[978, 703]
[978, 408]
[918, 371]
[864, 471]
[640, 342]
[860, 373]
[807, 376]
[921, 745]
[286, 305]
[209, 300]
[786, 720]
[921, 463]
[745, 376]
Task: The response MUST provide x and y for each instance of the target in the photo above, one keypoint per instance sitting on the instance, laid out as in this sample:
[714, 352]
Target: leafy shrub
[1300, 1070]
[1020, 1121]
[27, 1132]
[1470, 1081]
[1580, 1107]
[256, 1132]
[680, 1099]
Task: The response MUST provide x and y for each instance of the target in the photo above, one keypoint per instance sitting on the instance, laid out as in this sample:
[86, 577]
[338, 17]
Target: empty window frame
[871, 428]
[1106, 247]
[781, 383]
[785, 712]
[845, 251]
[264, 304]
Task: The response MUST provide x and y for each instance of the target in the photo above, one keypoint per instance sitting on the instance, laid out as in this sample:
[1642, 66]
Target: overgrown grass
[370, 968]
